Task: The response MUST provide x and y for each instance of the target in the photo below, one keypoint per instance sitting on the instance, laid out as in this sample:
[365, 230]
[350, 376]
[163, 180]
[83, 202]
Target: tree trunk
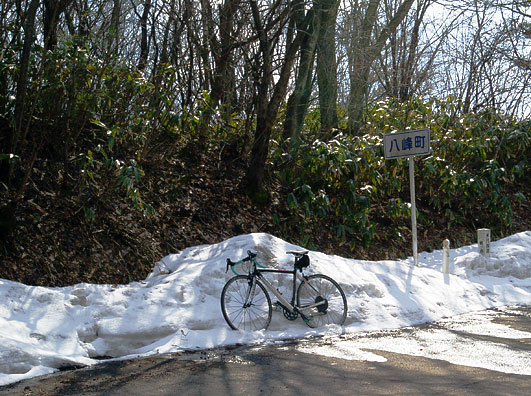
[22, 81]
[327, 64]
[223, 82]
[298, 101]
[144, 48]
[52, 11]
[50, 23]
[114, 29]
[406, 83]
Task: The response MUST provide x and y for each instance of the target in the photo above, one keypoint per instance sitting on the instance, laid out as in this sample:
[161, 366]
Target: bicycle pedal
[307, 319]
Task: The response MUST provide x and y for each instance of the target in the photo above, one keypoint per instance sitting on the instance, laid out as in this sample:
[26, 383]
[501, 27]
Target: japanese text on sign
[407, 143]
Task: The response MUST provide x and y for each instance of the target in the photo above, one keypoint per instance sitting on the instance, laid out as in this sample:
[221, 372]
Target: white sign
[407, 143]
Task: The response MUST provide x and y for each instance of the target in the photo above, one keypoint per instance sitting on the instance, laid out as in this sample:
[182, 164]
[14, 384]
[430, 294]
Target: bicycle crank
[290, 315]
[287, 313]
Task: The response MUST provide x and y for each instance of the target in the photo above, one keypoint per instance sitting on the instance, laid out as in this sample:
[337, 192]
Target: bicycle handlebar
[250, 256]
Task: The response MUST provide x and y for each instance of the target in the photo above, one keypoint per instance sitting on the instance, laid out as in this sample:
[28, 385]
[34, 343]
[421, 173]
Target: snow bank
[177, 307]
[510, 259]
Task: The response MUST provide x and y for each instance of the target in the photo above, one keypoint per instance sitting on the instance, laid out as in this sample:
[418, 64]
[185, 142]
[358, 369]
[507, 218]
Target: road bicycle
[246, 304]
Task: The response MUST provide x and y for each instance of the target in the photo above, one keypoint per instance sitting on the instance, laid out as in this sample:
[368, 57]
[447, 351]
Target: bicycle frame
[257, 273]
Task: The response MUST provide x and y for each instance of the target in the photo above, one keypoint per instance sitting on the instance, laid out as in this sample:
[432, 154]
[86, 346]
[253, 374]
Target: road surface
[284, 369]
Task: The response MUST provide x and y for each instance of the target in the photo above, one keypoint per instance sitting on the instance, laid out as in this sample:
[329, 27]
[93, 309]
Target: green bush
[346, 183]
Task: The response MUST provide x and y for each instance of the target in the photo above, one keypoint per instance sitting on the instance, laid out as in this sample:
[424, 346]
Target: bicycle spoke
[242, 312]
[322, 301]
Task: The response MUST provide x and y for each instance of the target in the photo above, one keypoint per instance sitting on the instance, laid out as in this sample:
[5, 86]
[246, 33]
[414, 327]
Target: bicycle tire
[256, 316]
[316, 288]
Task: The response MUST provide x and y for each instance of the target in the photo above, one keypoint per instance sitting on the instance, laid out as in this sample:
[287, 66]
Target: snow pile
[510, 259]
[177, 307]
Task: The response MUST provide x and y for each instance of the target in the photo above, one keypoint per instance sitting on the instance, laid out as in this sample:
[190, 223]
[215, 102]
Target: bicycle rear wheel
[253, 315]
[322, 301]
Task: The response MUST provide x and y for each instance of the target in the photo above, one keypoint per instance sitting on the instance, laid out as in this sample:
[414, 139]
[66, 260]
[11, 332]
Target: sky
[177, 308]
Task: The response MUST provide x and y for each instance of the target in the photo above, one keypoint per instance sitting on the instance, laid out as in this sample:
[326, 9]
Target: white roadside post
[484, 241]
[446, 256]
[409, 144]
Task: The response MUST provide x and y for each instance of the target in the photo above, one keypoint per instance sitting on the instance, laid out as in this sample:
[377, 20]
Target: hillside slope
[54, 241]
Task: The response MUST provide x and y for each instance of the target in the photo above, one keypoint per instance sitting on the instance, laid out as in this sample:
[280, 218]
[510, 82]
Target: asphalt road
[284, 370]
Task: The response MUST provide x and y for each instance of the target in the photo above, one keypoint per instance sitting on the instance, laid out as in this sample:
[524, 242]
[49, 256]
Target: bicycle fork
[250, 293]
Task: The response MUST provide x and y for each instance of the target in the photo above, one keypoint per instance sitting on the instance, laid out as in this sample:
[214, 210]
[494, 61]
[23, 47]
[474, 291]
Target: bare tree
[484, 63]
[366, 40]
[222, 46]
[269, 100]
[398, 65]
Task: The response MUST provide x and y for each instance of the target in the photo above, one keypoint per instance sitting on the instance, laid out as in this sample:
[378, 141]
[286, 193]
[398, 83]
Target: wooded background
[134, 128]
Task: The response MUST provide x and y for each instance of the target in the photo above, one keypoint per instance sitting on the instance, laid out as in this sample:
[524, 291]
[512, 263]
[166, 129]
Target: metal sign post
[413, 208]
[409, 144]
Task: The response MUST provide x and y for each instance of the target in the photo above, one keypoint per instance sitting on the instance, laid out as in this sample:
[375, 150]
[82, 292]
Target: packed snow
[177, 307]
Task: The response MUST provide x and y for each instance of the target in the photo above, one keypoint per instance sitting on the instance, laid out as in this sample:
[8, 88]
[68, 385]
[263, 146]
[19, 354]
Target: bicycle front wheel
[242, 309]
[322, 301]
